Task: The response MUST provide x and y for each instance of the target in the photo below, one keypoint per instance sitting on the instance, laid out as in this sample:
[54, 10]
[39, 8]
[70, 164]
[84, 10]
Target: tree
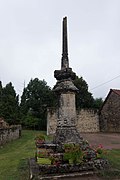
[36, 97]
[84, 98]
[98, 103]
[10, 104]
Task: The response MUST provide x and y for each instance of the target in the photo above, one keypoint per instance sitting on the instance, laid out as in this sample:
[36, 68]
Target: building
[109, 117]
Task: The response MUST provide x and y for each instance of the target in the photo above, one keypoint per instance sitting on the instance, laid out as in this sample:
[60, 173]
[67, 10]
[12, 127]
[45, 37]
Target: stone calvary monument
[69, 152]
[65, 89]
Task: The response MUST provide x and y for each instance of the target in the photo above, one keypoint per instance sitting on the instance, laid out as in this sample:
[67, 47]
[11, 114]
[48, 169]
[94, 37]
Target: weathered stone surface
[86, 121]
[67, 110]
[66, 121]
[67, 135]
[37, 169]
[3, 123]
[9, 133]
[64, 86]
[64, 73]
[51, 120]
[66, 118]
[110, 113]
[64, 60]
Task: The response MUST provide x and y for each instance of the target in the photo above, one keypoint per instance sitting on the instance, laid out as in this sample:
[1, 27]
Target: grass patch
[14, 156]
[113, 157]
[46, 161]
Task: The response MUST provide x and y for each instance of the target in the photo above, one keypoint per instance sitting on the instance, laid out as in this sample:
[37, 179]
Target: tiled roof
[116, 91]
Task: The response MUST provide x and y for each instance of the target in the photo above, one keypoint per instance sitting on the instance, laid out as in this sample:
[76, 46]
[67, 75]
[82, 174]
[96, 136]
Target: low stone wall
[9, 134]
[87, 120]
[38, 171]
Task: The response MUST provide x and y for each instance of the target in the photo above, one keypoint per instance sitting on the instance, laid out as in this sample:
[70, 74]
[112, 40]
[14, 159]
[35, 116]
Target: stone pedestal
[66, 128]
[66, 131]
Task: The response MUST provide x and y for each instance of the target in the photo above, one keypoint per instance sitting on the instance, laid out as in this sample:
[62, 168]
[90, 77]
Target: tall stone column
[66, 131]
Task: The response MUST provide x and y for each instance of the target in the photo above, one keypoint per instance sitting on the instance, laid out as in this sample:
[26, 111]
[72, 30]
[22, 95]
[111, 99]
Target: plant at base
[40, 138]
[73, 153]
[55, 160]
[42, 153]
[100, 151]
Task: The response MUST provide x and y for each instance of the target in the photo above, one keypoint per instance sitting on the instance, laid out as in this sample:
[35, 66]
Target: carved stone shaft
[65, 60]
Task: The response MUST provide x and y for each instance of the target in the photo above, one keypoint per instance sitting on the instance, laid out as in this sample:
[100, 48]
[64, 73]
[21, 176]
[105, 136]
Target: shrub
[40, 138]
[73, 153]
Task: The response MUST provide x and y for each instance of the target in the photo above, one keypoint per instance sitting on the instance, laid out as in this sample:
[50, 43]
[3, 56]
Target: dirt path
[108, 140]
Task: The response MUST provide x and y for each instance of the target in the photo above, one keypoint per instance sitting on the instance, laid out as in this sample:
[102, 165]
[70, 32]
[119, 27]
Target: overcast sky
[30, 41]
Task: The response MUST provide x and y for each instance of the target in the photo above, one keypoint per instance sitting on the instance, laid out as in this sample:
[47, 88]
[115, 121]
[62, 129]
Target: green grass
[14, 157]
[114, 171]
[44, 161]
[114, 158]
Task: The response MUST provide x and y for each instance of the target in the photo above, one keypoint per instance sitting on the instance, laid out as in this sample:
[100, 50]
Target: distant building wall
[110, 114]
[9, 133]
[87, 121]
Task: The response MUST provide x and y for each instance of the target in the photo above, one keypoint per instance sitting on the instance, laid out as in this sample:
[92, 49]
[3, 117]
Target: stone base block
[38, 171]
[67, 135]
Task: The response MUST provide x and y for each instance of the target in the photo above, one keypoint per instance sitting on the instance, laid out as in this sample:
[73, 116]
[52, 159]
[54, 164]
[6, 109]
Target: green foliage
[36, 97]
[54, 159]
[44, 161]
[40, 137]
[9, 104]
[42, 153]
[113, 172]
[98, 103]
[84, 98]
[73, 153]
[100, 151]
[31, 122]
[114, 158]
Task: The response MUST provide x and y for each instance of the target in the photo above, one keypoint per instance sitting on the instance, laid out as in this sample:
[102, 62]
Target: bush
[73, 153]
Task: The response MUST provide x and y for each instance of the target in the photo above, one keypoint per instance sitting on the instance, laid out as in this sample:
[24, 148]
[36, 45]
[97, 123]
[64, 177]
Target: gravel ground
[108, 140]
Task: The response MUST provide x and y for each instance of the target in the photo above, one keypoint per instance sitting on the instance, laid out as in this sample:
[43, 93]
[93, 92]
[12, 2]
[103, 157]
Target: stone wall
[110, 114]
[87, 121]
[9, 134]
[51, 120]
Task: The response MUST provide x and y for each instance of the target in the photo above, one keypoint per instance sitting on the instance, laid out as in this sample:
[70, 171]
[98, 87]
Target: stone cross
[66, 131]
[65, 60]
